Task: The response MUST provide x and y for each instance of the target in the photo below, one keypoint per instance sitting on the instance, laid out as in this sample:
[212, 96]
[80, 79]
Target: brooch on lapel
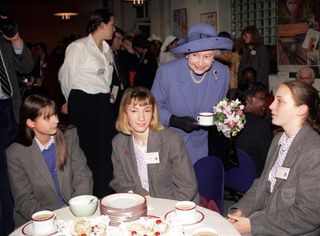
[215, 74]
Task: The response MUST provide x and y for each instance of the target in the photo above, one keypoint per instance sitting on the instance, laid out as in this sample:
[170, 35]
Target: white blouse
[86, 68]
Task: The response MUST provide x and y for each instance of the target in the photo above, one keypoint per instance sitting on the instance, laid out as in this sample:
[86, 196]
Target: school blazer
[172, 178]
[32, 185]
[293, 207]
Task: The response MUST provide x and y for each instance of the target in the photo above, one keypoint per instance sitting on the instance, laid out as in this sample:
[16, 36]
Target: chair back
[240, 179]
[210, 177]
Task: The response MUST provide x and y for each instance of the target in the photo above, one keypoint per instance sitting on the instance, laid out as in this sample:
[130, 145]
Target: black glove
[9, 26]
[186, 123]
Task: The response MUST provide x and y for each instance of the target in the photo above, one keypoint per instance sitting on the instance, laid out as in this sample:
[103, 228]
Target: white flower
[229, 117]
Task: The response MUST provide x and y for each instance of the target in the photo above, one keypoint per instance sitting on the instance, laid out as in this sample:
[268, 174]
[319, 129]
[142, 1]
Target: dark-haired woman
[257, 127]
[46, 166]
[285, 199]
[85, 78]
[255, 54]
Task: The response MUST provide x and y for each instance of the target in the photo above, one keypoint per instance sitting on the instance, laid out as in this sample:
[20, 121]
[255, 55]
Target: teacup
[205, 118]
[185, 211]
[205, 231]
[43, 222]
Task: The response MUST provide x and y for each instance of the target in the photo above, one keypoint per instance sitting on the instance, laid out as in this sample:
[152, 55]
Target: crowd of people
[130, 105]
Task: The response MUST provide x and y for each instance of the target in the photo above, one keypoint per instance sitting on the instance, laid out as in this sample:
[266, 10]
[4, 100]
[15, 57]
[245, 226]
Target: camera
[9, 26]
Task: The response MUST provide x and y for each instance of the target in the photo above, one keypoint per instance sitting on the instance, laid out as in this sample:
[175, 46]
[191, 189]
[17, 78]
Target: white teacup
[205, 118]
[185, 211]
[43, 222]
[205, 231]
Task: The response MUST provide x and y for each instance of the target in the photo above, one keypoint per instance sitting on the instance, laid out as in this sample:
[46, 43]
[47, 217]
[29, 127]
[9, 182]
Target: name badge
[282, 172]
[152, 158]
[100, 72]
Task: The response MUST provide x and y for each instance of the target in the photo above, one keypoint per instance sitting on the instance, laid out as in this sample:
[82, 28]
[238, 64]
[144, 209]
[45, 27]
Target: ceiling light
[66, 15]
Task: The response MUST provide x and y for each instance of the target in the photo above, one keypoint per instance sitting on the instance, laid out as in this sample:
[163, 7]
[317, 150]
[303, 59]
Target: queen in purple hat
[183, 88]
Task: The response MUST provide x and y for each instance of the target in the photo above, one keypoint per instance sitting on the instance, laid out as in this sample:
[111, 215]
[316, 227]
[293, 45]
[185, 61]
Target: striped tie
[5, 85]
[119, 69]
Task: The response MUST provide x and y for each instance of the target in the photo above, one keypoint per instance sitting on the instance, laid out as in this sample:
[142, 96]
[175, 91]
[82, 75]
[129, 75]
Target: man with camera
[14, 56]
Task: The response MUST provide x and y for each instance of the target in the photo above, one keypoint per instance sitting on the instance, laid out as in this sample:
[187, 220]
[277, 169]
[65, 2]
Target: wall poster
[180, 22]
[209, 18]
[298, 33]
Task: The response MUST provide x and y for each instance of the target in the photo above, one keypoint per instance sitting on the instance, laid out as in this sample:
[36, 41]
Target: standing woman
[148, 158]
[46, 166]
[193, 84]
[255, 55]
[285, 199]
[85, 78]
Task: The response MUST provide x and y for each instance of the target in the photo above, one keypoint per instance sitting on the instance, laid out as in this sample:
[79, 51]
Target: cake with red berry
[150, 227]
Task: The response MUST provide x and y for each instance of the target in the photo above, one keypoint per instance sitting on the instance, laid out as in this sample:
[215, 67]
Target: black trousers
[93, 116]
[8, 128]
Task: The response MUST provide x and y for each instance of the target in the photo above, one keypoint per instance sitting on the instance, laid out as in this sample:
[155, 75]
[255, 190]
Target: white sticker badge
[152, 157]
[282, 172]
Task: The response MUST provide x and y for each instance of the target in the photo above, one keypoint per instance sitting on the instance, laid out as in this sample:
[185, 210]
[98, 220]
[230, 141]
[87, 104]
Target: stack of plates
[123, 207]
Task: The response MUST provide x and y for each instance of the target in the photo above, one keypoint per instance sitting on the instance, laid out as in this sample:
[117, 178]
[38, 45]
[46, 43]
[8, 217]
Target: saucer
[28, 230]
[204, 125]
[171, 215]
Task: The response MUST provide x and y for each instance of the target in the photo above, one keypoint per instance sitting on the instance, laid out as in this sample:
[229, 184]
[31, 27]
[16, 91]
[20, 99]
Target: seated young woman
[148, 158]
[285, 199]
[46, 165]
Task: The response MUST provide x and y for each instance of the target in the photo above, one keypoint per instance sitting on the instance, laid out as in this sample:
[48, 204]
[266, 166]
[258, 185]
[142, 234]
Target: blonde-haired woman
[148, 158]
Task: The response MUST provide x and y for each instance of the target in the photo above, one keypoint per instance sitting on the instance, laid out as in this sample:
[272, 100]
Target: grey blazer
[172, 178]
[14, 62]
[293, 207]
[31, 182]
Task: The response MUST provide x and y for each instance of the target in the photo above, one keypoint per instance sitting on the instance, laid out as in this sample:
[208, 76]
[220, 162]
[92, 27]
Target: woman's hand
[241, 223]
[234, 212]
[64, 108]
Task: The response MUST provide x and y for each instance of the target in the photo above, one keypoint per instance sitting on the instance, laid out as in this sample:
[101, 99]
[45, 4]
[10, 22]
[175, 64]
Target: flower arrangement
[229, 117]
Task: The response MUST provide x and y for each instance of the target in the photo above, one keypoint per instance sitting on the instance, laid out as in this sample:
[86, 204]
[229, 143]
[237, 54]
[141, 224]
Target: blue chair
[239, 179]
[210, 177]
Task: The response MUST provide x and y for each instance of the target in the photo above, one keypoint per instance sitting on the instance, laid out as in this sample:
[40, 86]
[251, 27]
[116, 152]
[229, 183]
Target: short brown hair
[143, 97]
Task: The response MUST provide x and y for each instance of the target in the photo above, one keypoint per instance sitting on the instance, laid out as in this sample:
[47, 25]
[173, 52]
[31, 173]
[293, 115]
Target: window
[261, 13]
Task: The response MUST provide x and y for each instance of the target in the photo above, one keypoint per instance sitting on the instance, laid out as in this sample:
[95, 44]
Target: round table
[160, 207]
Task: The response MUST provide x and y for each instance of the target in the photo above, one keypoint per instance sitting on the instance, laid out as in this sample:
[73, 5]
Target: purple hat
[202, 37]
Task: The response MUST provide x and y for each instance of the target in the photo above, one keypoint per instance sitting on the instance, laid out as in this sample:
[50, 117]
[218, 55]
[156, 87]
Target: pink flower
[239, 112]
[231, 124]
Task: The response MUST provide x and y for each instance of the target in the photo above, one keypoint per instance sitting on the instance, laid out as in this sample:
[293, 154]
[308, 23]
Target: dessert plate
[171, 215]
[123, 200]
[27, 230]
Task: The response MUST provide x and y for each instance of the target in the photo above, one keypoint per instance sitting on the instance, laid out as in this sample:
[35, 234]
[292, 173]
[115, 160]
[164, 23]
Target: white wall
[161, 14]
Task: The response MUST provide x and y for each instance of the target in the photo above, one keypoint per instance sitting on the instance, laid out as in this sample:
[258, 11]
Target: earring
[186, 57]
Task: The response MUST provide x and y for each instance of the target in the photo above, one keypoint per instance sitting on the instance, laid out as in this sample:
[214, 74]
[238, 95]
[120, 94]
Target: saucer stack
[123, 207]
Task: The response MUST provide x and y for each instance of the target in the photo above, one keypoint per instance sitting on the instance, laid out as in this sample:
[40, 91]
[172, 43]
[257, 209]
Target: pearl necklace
[197, 81]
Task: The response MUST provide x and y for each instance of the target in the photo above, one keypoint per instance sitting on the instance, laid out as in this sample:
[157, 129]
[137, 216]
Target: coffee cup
[43, 222]
[205, 231]
[185, 211]
[205, 118]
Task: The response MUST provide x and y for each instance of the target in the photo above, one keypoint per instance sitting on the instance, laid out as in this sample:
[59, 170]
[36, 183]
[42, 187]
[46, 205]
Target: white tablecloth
[159, 207]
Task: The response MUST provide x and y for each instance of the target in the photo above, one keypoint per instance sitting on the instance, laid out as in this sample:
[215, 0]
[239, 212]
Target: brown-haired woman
[46, 166]
[285, 199]
[148, 158]
[255, 55]
[85, 78]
